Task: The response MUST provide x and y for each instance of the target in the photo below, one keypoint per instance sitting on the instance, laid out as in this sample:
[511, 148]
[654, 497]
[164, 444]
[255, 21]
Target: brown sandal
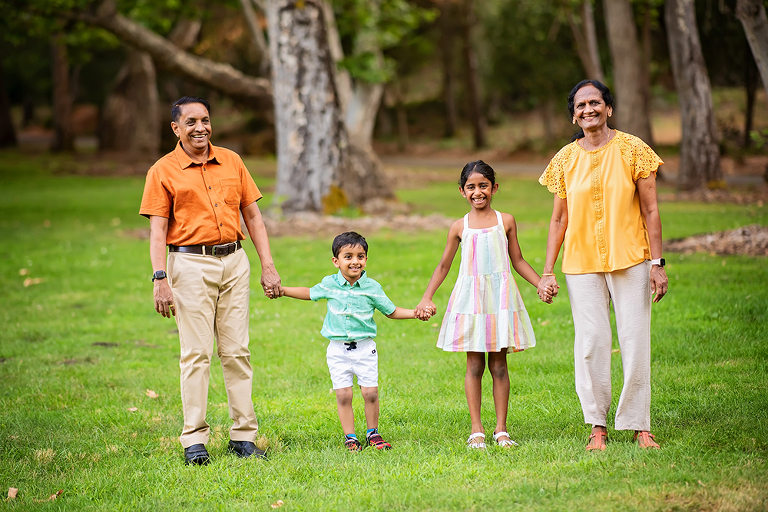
[597, 441]
[646, 440]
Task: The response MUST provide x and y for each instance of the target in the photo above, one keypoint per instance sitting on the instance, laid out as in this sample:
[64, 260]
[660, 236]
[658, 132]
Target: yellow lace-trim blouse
[606, 229]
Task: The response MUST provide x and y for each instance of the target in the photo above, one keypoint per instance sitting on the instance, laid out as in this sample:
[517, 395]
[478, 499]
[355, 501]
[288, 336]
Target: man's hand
[270, 282]
[164, 298]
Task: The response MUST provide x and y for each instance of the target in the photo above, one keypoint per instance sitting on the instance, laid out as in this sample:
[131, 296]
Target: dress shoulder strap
[498, 219]
[466, 221]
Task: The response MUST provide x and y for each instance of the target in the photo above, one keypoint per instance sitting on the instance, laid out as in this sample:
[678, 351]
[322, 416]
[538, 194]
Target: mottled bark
[7, 130]
[585, 35]
[630, 114]
[699, 151]
[472, 74]
[752, 15]
[320, 167]
[63, 132]
[131, 117]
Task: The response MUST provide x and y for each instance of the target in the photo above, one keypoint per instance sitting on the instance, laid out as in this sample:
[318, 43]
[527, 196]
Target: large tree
[343, 172]
[581, 18]
[632, 112]
[699, 148]
[320, 167]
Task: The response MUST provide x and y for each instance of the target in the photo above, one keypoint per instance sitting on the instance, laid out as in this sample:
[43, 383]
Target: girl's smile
[478, 190]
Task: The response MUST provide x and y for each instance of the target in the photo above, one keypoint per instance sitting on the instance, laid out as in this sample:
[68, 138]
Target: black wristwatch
[660, 262]
[160, 274]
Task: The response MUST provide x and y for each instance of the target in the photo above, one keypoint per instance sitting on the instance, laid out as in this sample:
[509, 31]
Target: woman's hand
[659, 282]
[548, 288]
[425, 309]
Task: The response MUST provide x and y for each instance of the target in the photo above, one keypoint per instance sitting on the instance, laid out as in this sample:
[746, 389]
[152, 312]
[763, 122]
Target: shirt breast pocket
[230, 188]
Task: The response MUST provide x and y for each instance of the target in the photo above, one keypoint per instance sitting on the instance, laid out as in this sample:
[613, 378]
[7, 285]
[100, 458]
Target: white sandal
[504, 443]
[474, 444]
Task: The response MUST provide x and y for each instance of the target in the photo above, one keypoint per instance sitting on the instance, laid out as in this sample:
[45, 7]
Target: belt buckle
[224, 249]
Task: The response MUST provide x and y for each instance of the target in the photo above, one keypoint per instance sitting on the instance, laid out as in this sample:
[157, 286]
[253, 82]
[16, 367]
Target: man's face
[351, 261]
[193, 128]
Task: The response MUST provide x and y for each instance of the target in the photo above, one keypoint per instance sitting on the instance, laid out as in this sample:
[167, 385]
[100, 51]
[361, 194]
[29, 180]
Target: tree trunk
[752, 15]
[216, 75]
[131, 117]
[447, 52]
[750, 87]
[319, 167]
[63, 133]
[7, 131]
[630, 114]
[699, 151]
[472, 72]
[586, 41]
[645, 70]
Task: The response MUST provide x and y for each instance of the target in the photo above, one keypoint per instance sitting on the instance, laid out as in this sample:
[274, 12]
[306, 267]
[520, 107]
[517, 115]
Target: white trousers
[212, 296]
[591, 296]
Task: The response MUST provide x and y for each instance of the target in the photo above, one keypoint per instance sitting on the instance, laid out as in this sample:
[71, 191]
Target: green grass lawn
[81, 345]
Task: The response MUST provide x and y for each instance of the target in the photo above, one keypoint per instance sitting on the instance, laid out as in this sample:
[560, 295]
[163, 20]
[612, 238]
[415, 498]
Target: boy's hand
[269, 292]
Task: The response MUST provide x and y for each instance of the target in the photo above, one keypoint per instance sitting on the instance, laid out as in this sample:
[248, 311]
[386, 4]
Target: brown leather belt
[207, 250]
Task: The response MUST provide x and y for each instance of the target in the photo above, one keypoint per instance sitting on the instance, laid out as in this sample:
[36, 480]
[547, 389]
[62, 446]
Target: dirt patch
[747, 241]
[311, 224]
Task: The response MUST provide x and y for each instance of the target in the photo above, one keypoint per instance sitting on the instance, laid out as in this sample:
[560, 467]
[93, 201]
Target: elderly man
[193, 197]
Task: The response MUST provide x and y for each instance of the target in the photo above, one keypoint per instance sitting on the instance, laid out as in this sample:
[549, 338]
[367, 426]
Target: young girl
[485, 312]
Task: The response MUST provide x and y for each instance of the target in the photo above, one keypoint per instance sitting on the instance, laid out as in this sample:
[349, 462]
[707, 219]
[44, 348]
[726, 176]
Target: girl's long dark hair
[605, 92]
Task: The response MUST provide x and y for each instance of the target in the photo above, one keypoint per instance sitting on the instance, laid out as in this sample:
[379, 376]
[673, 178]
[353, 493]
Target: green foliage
[367, 28]
[532, 56]
[81, 346]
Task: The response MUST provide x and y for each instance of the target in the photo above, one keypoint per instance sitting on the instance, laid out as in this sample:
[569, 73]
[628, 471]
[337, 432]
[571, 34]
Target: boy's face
[351, 261]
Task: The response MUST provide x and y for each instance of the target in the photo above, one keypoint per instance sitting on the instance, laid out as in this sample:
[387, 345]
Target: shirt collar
[342, 281]
[184, 159]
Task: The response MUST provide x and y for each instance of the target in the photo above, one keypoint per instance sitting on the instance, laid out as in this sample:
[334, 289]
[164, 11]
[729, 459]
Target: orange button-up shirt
[606, 229]
[202, 202]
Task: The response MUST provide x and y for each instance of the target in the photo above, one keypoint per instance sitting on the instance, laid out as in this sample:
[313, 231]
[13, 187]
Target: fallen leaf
[47, 223]
[23, 271]
[434, 325]
[277, 504]
[151, 394]
[702, 483]
[615, 351]
[133, 409]
[12, 492]
[30, 281]
[545, 322]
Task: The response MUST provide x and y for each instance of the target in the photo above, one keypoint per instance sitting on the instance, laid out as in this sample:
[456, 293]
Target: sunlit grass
[81, 348]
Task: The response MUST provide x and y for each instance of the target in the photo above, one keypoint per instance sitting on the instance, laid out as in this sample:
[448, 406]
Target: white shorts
[345, 361]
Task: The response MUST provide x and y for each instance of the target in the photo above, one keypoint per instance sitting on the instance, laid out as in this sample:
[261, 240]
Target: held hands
[270, 293]
[425, 310]
[548, 288]
[270, 282]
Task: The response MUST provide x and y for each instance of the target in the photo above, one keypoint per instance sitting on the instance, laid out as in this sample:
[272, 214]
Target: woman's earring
[573, 121]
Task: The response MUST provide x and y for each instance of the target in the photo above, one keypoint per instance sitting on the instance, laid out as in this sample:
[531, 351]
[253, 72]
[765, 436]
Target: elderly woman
[605, 213]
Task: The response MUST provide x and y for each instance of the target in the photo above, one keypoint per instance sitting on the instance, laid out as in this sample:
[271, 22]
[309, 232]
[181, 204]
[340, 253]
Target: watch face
[160, 274]
[662, 262]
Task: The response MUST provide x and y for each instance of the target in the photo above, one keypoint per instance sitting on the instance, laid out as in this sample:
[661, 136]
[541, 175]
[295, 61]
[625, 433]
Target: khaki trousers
[212, 298]
[591, 296]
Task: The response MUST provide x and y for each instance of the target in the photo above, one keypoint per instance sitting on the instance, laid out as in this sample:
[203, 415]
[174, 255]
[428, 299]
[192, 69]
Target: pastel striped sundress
[485, 312]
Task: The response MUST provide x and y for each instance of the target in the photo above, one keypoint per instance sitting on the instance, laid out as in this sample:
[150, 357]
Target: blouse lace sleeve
[553, 176]
[641, 158]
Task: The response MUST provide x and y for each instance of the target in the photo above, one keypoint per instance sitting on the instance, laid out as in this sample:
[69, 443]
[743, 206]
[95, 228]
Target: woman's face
[589, 109]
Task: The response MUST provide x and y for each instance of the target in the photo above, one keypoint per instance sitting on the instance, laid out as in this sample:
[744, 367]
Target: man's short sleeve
[251, 192]
[156, 199]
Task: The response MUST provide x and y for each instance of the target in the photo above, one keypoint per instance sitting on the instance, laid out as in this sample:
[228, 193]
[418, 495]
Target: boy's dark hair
[477, 166]
[348, 238]
[176, 110]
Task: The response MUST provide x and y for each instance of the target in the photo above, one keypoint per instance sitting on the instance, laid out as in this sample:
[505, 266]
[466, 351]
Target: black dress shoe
[196, 454]
[246, 449]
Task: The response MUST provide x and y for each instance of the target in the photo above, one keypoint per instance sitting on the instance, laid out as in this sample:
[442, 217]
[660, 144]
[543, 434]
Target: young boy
[352, 297]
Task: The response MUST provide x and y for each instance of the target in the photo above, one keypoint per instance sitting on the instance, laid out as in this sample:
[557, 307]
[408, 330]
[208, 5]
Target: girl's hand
[425, 309]
[548, 288]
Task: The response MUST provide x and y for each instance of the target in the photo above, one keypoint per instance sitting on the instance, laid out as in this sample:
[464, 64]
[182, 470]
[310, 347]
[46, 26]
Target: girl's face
[478, 191]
